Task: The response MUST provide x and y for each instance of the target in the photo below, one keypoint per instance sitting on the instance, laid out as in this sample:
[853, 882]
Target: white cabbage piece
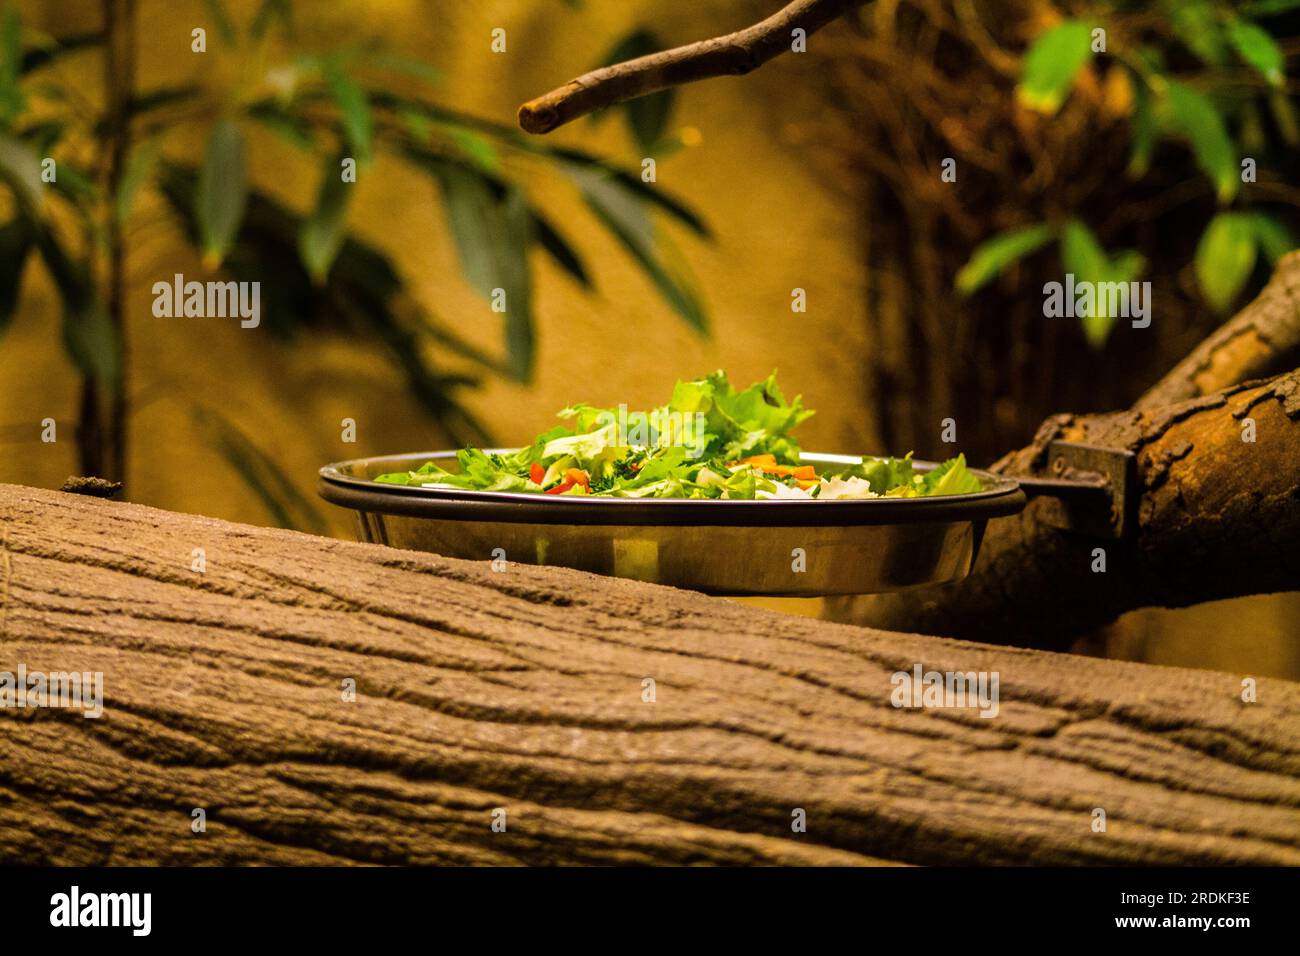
[839, 488]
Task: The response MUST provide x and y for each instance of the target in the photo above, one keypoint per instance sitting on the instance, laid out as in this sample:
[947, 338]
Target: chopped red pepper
[537, 473]
[560, 488]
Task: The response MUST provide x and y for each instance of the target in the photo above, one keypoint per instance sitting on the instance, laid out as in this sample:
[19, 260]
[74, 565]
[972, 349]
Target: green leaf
[1052, 63]
[392, 62]
[1144, 128]
[1257, 49]
[217, 11]
[476, 148]
[51, 49]
[992, 256]
[75, 184]
[647, 116]
[564, 255]
[139, 170]
[321, 235]
[354, 109]
[1083, 256]
[626, 216]
[1275, 239]
[223, 190]
[1196, 23]
[563, 156]
[1269, 8]
[288, 126]
[268, 12]
[950, 478]
[474, 215]
[89, 337]
[42, 137]
[20, 168]
[493, 233]
[517, 281]
[15, 243]
[12, 101]
[654, 196]
[148, 102]
[1288, 128]
[1225, 257]
[92, 342]
[288, 507]
[1193, 115]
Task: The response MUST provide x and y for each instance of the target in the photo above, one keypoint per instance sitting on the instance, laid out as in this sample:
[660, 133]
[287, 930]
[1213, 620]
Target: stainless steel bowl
[783, 547]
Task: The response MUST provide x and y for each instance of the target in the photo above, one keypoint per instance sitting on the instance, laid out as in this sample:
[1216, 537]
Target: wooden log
[1262, 339]
[1218, 480]
[523, 690]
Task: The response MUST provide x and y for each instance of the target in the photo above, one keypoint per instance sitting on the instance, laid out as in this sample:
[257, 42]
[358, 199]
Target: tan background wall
[776, 227]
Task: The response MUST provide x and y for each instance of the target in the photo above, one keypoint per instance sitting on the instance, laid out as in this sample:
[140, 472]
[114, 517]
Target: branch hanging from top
[732, 55]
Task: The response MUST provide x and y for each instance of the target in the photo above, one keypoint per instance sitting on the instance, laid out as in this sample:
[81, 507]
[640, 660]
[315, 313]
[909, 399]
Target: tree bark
[732, 55]
[524, 691]
[1262, 339]
[1219, 517]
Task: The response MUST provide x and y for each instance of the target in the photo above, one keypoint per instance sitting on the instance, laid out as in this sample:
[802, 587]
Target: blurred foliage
[1180, 80]
[339, 109]
[993, 146]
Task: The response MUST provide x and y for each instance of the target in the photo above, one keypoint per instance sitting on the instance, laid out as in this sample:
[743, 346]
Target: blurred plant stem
[102, 429]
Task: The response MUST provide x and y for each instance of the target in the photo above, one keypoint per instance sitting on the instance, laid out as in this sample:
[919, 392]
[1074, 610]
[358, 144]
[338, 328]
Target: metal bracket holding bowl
[1093, 493]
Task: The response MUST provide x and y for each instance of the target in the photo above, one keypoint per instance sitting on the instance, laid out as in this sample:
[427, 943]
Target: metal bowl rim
[1001, 496]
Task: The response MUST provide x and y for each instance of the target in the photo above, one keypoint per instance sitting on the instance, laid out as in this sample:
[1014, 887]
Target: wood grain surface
[522, 690]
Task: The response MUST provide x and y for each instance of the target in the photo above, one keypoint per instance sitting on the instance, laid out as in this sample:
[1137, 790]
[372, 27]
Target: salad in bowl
[709, 441]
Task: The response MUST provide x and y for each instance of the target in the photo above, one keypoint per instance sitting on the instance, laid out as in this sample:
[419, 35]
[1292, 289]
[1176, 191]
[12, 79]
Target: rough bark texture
[1261, 339]
[732, 55]
[523, 690]
[1219, 517]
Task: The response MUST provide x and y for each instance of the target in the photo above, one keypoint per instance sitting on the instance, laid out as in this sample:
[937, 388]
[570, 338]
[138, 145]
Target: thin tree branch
[732, 55]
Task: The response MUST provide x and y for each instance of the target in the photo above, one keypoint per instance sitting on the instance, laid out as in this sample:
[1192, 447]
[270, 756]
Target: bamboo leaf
[1275, 239]
[321, 235]
[1225, 257]
[288, 507]
[12, 101]
[221, 19]
[1257, 49]
[1193, 115]
[564, 255]
[492, 234]
[1144, 128]
[1051, 65]
[268, 12]
[1196, 23]
[289, 127]
[409, 66]
[627, 217]
[20, 168]
[223, 190]
[647, 116]
[354, 109]
[139, 170]
[52, 49]
[1083, 256]
[15, 244]
[992, 256]
[88, 334]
